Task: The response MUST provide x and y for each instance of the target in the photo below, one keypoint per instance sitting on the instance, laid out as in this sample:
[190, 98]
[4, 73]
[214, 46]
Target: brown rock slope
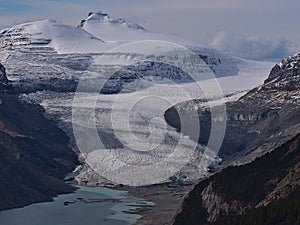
[34, 155]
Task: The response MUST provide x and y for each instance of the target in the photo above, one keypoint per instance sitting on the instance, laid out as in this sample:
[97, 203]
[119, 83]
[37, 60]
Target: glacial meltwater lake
[87, 206]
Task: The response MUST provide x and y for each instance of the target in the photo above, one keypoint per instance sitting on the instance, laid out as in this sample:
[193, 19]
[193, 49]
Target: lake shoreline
[87, 205]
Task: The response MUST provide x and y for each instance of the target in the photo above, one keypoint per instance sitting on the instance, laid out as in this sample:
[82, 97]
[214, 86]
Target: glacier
[46, 60]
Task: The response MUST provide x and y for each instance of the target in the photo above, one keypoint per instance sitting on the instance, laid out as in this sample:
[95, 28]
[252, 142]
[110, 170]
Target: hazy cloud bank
[251, 47]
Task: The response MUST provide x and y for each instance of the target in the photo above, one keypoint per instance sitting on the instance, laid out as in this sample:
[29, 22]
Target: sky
[255, 29]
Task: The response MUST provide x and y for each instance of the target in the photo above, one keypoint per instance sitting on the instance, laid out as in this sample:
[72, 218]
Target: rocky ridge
[258, 122]
[105, 18]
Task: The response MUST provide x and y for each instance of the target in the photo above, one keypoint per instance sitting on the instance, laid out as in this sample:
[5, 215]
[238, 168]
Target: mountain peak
[290, 62]
[103, 17]
[100, 15]
[288, 67]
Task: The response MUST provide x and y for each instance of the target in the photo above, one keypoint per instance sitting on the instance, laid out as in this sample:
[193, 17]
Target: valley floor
[167, 199]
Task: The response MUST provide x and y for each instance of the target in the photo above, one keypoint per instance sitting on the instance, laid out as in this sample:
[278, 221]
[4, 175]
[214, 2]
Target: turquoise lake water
[87, 206]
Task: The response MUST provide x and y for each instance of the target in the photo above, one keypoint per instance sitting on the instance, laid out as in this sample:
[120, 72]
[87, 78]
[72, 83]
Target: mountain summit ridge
[104, 17]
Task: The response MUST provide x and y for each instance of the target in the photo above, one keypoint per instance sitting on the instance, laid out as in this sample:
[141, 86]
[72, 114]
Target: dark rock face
[148, 70]
[34, 155]
[264, 118]
[3, 78]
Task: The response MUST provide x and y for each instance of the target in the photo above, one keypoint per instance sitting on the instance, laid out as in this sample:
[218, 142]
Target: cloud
[251, 47]
[189, 18]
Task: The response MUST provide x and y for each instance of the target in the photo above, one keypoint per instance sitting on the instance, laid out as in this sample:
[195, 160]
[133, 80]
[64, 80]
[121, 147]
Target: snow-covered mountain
[45, 60]
[120, 30]
[99, 33]
[98, 22]
[63, 38]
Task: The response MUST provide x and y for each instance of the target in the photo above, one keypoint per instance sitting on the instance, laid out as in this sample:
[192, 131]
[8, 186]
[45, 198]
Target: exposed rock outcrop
[3, 77]
[104, 17]
[213, 203]
[288, 67]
